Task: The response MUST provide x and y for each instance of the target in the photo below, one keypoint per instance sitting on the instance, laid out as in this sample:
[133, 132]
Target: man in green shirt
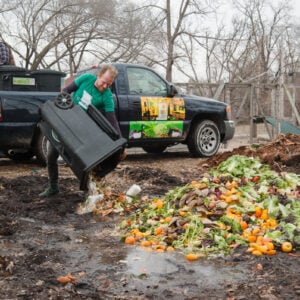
[86, 89]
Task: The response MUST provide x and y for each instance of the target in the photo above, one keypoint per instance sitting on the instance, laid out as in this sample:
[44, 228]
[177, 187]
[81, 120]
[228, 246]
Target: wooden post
[227, 98]
[219, 90]
[251, 113]
[292, 102]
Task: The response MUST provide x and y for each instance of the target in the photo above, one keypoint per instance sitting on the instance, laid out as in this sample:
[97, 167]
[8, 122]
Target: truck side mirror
[172, 90]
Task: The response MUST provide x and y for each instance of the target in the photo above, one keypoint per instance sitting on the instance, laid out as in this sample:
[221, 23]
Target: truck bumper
[229, 130]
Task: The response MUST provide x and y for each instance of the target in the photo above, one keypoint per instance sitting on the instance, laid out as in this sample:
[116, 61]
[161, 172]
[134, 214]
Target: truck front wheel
[204, 139]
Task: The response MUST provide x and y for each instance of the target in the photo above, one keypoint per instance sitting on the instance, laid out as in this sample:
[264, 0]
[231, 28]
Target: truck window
[145, 82]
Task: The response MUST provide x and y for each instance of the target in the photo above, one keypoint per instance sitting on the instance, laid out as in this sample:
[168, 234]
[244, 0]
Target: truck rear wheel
[19, 155]
[40, 148]
[204, 139]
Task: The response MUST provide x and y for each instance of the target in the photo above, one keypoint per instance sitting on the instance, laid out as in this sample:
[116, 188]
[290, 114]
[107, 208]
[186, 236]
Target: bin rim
[47, 72]
[12, 68]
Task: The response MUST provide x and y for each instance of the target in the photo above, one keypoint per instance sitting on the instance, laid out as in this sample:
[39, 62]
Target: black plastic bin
[84, 144]
[48, 80]
[14, 78]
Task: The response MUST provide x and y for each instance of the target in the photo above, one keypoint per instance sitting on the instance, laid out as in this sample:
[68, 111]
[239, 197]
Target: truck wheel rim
[208, 139]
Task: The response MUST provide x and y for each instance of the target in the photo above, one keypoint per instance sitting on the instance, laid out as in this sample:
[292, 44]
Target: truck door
[152, 115]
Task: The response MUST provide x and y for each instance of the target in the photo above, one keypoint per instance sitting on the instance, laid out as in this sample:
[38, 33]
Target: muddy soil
[42, 239]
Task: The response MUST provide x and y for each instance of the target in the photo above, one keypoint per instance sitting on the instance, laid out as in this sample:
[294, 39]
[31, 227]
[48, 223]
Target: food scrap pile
[241, 203]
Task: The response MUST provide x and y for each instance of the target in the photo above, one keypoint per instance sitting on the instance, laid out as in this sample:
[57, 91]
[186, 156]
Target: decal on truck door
[161, 118]
[162, 109]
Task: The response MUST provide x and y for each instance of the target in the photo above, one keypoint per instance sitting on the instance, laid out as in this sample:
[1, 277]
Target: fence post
[227, 99]
[251, 113]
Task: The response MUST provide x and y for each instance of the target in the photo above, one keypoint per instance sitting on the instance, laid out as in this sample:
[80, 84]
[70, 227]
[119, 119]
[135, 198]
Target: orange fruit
[256, 231]
[271, 252]
[251, 238]
[270, 245]
[191, 256]
[145, 243]
[259, 239]
[170, 248]
[159, 250]
[264, 215]
[272, 223]
[63, 279]
[286, 247]
[255, 178]
[186, 226]
[250, 249]
[258, 211]
[244, 225]
[256, 252]
[158, 231]
[168, 219]
[159, 246]
[129, 240]
[66, 279]
[159, 204]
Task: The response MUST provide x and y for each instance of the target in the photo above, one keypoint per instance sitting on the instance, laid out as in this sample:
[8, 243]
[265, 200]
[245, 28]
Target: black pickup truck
[21, 94]
[151, 113]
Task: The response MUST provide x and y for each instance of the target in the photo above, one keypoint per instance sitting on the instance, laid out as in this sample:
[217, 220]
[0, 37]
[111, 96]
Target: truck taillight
[1, 118]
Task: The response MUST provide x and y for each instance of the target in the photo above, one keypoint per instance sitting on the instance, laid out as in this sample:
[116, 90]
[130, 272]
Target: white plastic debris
[132, 191]
[89, 204]
[92, 186]
[94, 197]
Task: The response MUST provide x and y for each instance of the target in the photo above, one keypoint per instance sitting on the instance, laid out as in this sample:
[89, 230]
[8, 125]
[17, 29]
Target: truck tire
[40, 148]
[204, 139]
[19, 155]
[154, 149]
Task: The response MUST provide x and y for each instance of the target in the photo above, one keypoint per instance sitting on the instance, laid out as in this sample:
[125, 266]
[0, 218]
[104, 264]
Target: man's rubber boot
[85, 195]
[51, 190]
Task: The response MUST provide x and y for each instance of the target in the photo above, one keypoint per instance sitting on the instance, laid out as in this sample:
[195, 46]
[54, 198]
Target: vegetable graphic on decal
[155, 129]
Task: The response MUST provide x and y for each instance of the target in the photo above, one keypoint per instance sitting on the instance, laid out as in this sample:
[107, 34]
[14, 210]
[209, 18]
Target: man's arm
[70, 88]
[111, 117]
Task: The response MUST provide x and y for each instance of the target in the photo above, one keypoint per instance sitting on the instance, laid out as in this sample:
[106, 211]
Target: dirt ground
[42, 239]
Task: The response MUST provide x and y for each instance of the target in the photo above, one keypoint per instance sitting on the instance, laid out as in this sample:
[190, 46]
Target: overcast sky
[226, 11]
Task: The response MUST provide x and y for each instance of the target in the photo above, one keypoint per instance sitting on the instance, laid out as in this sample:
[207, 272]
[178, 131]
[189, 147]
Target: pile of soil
[282, 154]
[42, 239]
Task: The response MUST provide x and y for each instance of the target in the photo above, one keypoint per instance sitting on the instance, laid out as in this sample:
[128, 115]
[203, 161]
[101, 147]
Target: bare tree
[126, 35]
[47, 31]
[68, 35]
[173, 21]
[265, 25]
[6, 6]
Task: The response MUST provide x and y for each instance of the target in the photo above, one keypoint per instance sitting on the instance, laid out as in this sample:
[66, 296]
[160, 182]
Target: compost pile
[240, 203]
